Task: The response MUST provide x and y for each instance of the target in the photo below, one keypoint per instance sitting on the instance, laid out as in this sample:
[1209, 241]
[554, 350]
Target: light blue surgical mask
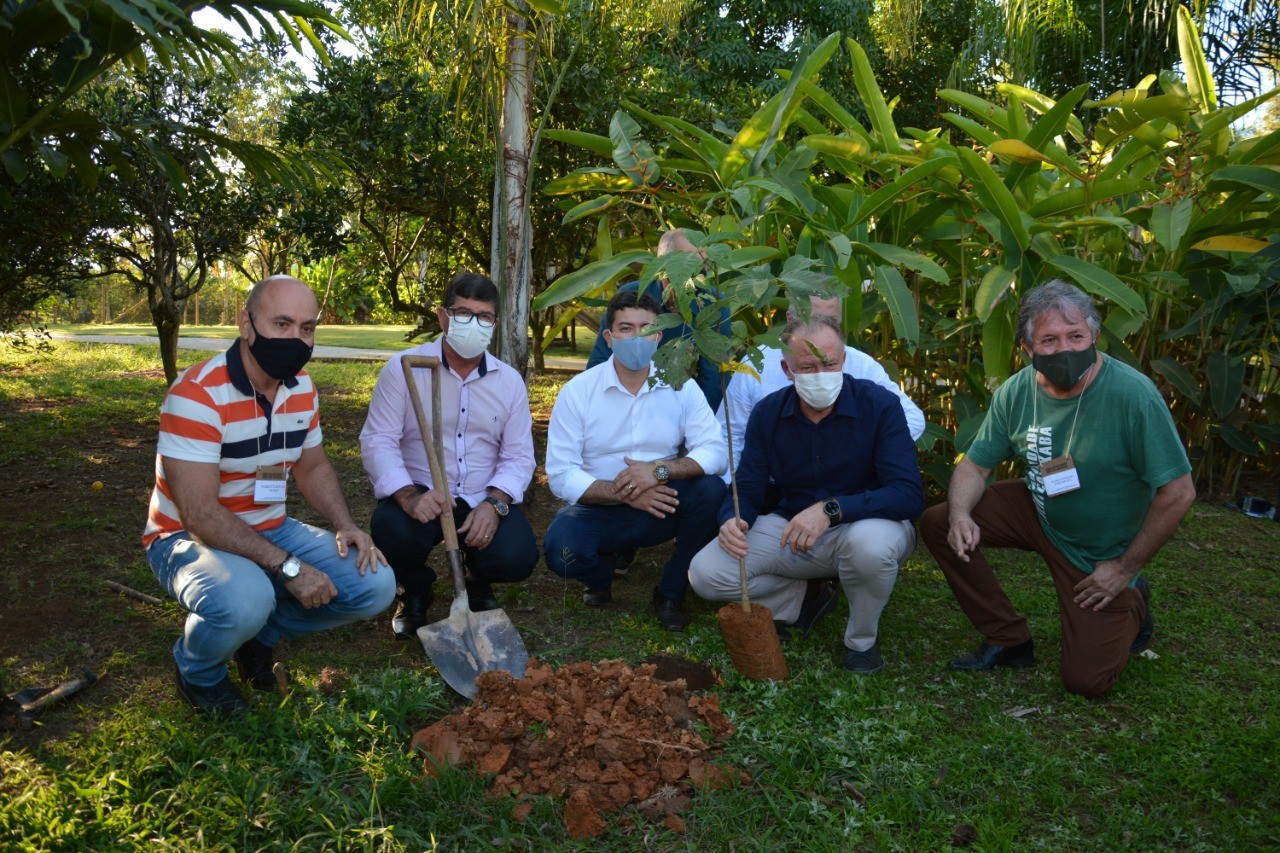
[634, 353]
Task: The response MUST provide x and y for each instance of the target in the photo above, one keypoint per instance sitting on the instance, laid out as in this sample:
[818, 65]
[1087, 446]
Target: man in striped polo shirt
[234, 431]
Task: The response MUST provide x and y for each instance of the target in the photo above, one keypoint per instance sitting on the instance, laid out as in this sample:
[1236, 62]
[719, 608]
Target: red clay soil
[605, 734]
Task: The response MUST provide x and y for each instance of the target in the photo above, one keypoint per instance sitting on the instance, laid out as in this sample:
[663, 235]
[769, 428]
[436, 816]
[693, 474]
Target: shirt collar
[482, 367]
[240, 377]
[614, 381]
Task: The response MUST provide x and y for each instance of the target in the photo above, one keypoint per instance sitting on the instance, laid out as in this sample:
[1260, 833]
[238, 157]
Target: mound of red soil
[604, 733]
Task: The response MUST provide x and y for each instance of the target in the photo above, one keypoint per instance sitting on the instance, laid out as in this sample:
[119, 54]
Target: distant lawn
[387, 337]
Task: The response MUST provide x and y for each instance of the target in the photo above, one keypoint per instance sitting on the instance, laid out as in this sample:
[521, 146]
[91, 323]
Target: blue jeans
[231, 600]
[582, 540]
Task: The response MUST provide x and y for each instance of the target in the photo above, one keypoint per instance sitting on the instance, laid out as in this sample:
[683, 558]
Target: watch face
[832, 508]
[290, 567]
[662, 472]
[501, 508]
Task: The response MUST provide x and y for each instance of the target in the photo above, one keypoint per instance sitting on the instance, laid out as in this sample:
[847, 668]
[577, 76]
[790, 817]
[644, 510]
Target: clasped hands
[637, 486]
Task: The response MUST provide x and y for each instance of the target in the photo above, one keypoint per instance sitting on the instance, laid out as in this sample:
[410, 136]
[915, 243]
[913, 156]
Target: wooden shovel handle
[431, 441]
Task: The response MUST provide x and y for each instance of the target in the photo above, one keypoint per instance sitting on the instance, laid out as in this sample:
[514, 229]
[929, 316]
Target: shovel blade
[467, 644]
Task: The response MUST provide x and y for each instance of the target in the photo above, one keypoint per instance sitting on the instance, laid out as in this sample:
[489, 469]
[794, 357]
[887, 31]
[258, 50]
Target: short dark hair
[1056, 297]
[471, 285]
[630, 299]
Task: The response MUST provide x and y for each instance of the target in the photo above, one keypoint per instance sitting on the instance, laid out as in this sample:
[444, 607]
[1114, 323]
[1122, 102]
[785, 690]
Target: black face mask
[280, 358]
[1064, 369]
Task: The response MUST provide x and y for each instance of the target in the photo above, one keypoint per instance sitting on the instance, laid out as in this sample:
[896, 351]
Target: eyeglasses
[486, 319]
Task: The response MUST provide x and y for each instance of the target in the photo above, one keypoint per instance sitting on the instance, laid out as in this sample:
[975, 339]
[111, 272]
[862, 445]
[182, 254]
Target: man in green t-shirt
[1107, 482]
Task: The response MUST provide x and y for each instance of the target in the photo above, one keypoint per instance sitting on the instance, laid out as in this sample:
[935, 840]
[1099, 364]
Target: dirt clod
[332, 681]
[605, 734]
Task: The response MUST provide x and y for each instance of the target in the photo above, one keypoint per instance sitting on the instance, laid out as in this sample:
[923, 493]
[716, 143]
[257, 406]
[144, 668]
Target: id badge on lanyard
[271, 485]
[1060, 475]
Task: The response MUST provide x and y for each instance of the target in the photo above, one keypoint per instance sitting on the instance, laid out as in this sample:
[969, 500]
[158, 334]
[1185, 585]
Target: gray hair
[1056, 297]
[796, 325]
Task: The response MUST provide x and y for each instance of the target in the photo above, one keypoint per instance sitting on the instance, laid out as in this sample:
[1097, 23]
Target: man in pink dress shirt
[487, 454]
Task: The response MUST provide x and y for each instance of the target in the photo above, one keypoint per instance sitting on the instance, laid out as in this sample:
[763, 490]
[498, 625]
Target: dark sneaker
[990, 657]
[480, 596]
[598, 597]
[254, 661]
[220, 700]
[670, 613]
[864, 663]
[411, 614]
[1148, 626]
[622, 562]
[819, 599]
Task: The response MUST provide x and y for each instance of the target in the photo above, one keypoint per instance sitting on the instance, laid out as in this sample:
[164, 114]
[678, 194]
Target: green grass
[1184, 754]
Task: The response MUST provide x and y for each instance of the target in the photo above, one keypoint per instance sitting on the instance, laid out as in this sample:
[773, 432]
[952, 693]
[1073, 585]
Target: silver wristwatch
[290, 567]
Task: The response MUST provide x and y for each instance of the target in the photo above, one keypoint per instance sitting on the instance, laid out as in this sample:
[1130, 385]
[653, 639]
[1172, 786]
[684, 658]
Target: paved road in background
[322, 352]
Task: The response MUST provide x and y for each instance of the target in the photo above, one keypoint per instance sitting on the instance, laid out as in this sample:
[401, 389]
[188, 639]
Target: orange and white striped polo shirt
[213, 414]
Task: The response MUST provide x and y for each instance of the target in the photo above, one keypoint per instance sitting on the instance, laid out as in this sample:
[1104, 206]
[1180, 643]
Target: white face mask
[467, 337]
[819, 390]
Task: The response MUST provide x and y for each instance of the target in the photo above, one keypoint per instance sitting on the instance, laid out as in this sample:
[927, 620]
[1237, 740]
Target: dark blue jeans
[407, 542]
[583, 539]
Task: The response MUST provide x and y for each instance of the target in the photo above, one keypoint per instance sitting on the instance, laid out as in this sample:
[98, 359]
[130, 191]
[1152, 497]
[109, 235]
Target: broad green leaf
[1236, 439]
[1125, 96]
[593, 180]
[1169, 222]
[1262, 178]
[750, 255]
[1127, 120]
[899, 187]
[548, 7]
[1194, 65]
[902, 308]
[1259, 149]
[899, 256]
[1179, 377]
[593, 142]
[986, 112]
[634, 156]
[995, 196]
[1099, 282]
[1248, 245]
[995, 284]
[587, 208]
[1226, 381]
[982, 134]
[589, 278]
[997, 343]
[1083, 196]
[1017, 151]
[848, 147]
[14, 164]
[1045, 105]
[872, 98]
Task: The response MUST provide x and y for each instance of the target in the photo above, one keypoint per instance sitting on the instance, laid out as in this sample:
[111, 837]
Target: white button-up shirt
[596, 422]
[486, 423]
[745, 391]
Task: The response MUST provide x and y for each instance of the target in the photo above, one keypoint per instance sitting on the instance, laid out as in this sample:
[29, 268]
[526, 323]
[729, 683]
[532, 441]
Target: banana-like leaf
[1169, 223]
[1098, 191]
[1045, 105]
[872, 98]
[588, 278]
[980, 132]
[1194, 65]
[1129, 119]
[1017, 151]
[593, 142]
[995, 284]
[589, 207]
[995, 196]
[1226, 381]
[901, 257]
[1125, 96]
[894, 190]
[849, 147]
[1261, 178]
[1098, 281]
[1179, 377]
[1214, 123]
[997, 343]
[1236, 439]
[634, 156]
[548, 7]
[986, 112]
[1259, 149]
[1246, 245]
[902, 308]
[587, 181]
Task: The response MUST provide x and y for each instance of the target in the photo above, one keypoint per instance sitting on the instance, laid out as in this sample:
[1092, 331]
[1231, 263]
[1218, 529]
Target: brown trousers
[1095, 644]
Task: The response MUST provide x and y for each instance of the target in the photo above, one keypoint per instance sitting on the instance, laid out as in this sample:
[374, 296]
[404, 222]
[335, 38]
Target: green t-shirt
[1124, 447]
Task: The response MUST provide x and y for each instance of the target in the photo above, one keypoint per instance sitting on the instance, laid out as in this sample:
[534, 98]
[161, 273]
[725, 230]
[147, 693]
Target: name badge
[270, 487]
[1060, 476]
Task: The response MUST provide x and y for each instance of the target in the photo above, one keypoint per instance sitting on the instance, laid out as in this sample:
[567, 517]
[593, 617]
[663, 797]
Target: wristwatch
[290, 567]
[832, 508]
[661, 472]
[498, 506]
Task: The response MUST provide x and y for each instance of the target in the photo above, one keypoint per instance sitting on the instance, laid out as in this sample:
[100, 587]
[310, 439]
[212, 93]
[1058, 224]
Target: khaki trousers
[1095, 644]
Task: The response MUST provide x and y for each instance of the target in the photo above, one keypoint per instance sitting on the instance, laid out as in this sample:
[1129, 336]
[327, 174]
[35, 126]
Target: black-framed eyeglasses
[486, 319]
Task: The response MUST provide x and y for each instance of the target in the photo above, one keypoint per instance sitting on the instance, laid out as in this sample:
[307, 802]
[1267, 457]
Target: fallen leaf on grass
[1149, 655]
[854, 792]
[1019, 713]
[942, 775]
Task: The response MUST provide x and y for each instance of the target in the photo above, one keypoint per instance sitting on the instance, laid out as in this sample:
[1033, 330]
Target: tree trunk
[513, 235]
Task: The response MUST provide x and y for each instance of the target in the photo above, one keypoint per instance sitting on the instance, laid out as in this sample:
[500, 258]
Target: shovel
[465, 644]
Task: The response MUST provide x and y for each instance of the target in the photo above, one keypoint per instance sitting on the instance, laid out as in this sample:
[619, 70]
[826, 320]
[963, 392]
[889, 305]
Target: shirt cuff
[576, 484]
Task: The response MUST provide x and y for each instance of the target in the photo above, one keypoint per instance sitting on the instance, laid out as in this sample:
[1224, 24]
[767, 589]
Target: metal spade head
[466, 644]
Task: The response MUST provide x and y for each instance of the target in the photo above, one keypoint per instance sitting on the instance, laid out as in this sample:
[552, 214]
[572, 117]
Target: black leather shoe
[411, 614]
[622, 562]
[1148, 626]
[670, 613]
[990, 657]
[481, 597]
[220, 700]
[254, 662]
[598, 597]
[819, 599]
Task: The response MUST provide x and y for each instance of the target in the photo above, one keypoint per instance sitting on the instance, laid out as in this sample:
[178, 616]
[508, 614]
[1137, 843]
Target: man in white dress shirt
[745, 390]
[487, 455]
[612, 454]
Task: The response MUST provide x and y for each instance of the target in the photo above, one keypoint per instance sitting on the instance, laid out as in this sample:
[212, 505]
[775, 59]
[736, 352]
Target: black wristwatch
[832, 508]
[498, 506]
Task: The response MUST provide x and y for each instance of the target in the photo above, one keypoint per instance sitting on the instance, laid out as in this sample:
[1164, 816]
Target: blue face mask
[634, 353]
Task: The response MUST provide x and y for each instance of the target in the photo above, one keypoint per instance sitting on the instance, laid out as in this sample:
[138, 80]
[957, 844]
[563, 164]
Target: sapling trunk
[733, 488]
